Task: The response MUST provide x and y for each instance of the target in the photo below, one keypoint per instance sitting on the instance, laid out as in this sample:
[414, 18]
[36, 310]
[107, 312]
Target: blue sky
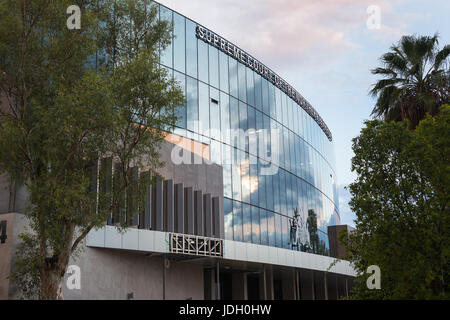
[325, 50]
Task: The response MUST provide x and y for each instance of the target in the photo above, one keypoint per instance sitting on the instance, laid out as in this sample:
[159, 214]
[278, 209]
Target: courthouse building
[246, 202]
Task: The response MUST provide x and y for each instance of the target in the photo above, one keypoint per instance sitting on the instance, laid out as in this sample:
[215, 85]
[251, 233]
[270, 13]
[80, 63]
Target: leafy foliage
[69, 99]
[416, 80]
[401, 199]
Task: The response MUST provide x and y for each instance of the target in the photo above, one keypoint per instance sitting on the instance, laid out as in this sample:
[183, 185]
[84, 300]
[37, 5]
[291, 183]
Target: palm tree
[416, 80]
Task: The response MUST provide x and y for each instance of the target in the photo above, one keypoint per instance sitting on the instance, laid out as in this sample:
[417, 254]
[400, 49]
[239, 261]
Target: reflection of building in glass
[226, 226]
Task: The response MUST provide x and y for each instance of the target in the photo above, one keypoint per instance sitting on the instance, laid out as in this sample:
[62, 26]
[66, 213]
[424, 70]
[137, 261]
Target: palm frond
[441, 56]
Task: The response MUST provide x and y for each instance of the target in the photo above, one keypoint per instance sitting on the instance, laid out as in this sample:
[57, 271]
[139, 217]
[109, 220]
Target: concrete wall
[5, 255]
[114, 274]
[16, 224]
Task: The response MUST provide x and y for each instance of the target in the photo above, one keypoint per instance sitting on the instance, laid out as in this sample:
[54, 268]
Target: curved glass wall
[275, 157]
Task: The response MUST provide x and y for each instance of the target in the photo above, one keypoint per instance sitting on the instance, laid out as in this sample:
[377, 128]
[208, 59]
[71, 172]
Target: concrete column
[198, 212]
[209, 288]
[297, 285]
[288, 285]
[189, 210]
[218, 281]
[262, 284]
[169, 206]
[346, 287]
[269, 284]
[306, 284]
[145, 221]
[207, 214]
[332, 286]
[159, 200]
[239, 286]
[216, 217]
[132, 200]
[179, 208]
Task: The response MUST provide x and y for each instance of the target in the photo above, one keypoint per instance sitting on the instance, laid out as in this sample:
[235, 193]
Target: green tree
[401, 201]
[71, 98]
[416, 80]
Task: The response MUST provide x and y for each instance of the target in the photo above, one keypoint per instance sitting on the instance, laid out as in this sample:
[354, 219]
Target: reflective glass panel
[179, 43]
[192, 104]
[191, 49]
[203, 90]
[237, 221]
[256, 235]
[213, 67]
[246, 223]
[223, 72]
[264, 227]
[203, 70]
[242, 82]
[228, 218]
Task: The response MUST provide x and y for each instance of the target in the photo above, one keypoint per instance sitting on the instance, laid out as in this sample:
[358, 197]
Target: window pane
[243, 125]
[166, 55]
[225, 116]
[203, 61]
[278, 105]
[264, 229]
[250, 87]
[228, 218]
[246, 222]
[278, 241]
[271, 227]
[234, 122]
[254, 185]
[242, 82]
[181, 110]
[192, 104]
[283, 192]
[288, 194]
[265, 96]
[253, 137]
[179, 43]
[262, 187]
[233, 76]
[223, 71]
[213, 66]
[269, 192]
[285, 232]
[203, 107]
[272, 101]
[245, 177]
[256, 236]
[258, 92]
[227, 187]
[191, 49]
[237, 221]
[276, 191]
[236, 174]
[214, 113]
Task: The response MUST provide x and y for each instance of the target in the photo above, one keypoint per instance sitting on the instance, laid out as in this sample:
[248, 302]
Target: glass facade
[279, 160]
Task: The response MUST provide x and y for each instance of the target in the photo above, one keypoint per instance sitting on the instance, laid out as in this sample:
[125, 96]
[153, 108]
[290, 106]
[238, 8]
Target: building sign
[243, 57]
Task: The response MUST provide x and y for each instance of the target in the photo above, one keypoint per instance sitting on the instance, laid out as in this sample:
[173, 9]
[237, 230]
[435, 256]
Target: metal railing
[195, 245]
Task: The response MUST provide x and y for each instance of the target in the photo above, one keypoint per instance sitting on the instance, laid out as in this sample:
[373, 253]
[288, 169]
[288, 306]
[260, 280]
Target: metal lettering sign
[243, 57]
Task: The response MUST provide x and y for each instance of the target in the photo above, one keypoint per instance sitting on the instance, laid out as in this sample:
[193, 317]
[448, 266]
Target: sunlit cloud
[289, 35]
